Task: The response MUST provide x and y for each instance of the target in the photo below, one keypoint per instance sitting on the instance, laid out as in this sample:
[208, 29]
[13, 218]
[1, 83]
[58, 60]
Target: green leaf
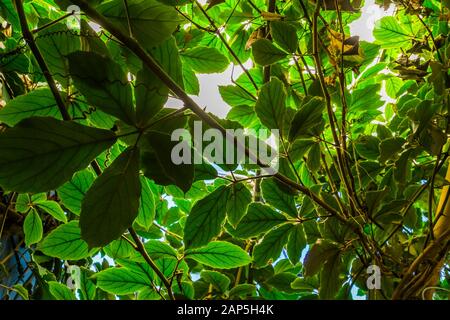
[219, 254]
[55, 43]
[148, 294]
[242, 290]
[282, 281]
[296, 243]
[112, 202]
[26, 201]
[276, 197]
[158, 249]
[119, 249]
[54, 209]
[374, 200]
[269, 249]
[236, 96]
[21, 291]
[91, 41]
[271, 104]
[32, 227]
[317, 255]
[265, 53]
[243, 114]
[239, 198]
[402, 171]
[191, 83]
[121, 281]
[219, 281]
[65, 243]
[205, 220]
[158, 164]
[259, 218]
[39, 102]
[103, 83]
[304, 284]
[285, 35]
[330, 282]
[151, 95]
[389, 33]
[40, 154]
[146, 213]
[307, 117]
[390, 147]
[205, 60]
[151, 22]
[367, 147]
[72, 193]
[392, 86]
[299, 148]
[60, 291]
[204, 171]
[166, 54]
[367, 98]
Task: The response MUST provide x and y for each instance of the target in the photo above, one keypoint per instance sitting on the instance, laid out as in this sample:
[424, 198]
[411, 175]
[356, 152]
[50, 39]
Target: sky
[209, 96]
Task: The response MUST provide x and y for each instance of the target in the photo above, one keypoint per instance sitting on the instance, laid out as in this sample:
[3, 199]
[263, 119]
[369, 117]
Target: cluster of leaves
[104, 206]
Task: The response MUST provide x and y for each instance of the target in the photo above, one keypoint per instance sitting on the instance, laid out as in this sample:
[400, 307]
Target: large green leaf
[146, 213]
[269, 249]
[271, 105]
[206, 218]
[52, 208]
[265, 52]
[317, 255]
[330, 283]
[103, 83]
[285, 35]
[55, 43]
[220, 254]
[40, 154]
[296, 243]
[121, 281]
[65, 243]
[72, 193]
[151, 95]
[158, 161]
[390, 147]
[37, 103]
[276, 197]
[236, 96]
[307, 117]
[238, 200]
[219, 281]
[169, 59]
[32, 227]
[389, 33]
[259, 218]
[150, 21]
[205, 60]
[112, 202]
[60, 291]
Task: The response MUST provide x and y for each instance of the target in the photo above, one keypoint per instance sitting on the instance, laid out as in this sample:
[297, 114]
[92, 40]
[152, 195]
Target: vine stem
[141, 249]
